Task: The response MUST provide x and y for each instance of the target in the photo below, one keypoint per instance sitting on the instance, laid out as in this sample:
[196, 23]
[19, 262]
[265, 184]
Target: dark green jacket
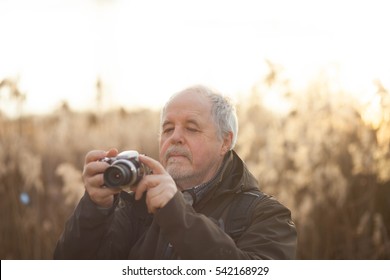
[180, 230]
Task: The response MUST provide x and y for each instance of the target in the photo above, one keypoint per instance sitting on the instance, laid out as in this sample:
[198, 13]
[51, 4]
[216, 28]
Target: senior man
[199, 201]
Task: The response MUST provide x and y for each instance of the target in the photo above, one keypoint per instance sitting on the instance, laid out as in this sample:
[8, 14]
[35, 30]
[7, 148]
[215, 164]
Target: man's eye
[192, 129]
[167, 130]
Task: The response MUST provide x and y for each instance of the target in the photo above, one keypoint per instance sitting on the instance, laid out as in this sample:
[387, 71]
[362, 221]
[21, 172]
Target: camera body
[124, 170]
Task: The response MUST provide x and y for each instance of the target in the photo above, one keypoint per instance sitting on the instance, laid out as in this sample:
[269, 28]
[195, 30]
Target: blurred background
[311, 80]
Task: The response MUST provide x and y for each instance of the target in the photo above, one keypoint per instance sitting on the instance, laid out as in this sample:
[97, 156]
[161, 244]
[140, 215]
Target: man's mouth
[177, 155]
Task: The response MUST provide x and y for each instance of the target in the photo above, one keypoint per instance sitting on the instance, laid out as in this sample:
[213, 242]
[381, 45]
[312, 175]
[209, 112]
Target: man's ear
[227, 142]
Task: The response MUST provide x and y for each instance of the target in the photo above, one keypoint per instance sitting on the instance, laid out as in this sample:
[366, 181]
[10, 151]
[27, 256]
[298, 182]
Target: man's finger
[94, 156]
[148, 182]
[153, 164]
[94, 167]
[112, 152]
[99, 154]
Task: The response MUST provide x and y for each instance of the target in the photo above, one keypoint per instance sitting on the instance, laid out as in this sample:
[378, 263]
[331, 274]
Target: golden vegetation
[322, 158]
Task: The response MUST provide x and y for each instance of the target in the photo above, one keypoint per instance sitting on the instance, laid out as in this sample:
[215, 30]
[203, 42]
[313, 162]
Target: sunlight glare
[59, 49]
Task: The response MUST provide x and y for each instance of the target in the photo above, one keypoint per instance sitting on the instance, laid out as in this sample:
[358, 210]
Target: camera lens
[117, 175]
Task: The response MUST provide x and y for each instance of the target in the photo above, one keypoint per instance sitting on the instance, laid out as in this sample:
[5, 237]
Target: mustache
[177, 151]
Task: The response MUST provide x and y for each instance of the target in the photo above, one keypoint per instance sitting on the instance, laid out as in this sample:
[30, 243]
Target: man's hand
[159, 185]
[93, 178]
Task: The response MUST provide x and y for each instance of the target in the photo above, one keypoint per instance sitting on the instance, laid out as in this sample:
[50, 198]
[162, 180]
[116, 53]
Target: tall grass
[321, 158]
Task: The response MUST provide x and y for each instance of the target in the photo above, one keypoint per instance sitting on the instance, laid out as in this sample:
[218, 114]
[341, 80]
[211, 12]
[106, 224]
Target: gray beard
[184, 180]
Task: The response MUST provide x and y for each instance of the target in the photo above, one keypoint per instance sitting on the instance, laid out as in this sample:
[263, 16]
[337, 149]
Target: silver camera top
[131, 154]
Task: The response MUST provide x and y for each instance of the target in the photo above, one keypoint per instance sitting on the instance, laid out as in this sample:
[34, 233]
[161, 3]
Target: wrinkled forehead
[191, 102]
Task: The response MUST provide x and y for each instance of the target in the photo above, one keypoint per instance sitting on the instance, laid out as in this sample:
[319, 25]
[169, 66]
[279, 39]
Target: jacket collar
[232, 177]
[195, 194]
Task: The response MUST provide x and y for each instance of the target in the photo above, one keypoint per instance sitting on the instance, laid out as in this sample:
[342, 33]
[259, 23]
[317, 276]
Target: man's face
[190, 149]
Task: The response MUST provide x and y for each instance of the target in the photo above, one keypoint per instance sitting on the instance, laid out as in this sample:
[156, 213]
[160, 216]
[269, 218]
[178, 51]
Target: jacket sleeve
[271, 234]
[94, 233]
[83, 232]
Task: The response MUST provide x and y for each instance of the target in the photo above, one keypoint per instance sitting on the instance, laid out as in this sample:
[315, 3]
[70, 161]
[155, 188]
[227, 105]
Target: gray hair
[223, 111]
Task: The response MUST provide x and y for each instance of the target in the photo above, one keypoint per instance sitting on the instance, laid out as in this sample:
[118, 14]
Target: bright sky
[146, 50]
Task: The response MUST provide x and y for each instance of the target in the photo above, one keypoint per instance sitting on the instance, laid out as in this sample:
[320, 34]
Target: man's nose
[177, 136]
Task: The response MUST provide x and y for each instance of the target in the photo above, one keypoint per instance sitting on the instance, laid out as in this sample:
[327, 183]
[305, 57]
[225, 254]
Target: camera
[124, 170]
